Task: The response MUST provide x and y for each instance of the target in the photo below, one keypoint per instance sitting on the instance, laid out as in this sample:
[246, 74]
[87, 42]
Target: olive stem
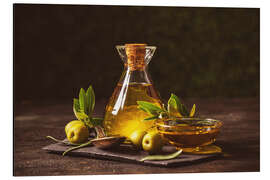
[77, 147]
[60, 141]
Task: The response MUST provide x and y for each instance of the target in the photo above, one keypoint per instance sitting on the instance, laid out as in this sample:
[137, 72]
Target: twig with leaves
[175, 109]
[83, 109]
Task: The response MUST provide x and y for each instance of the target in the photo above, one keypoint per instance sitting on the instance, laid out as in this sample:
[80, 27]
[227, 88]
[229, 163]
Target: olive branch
[84, 106]
[175, 109]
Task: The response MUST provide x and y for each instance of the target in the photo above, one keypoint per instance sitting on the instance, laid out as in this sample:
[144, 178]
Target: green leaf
[184, 110]
[81, 115]
[87, 102]
[176, 99]
[148, 110]
[177, 103]
[192, 111]
[151, 108]
[141, 108]
[173, 106]
[91, 95]
[82, 100]
[88, 122]
[151, 118]
[162, 157]
[76, 104]
[76, 107]
[96, 121]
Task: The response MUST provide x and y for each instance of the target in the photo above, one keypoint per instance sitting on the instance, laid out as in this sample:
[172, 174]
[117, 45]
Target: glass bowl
[193, 135]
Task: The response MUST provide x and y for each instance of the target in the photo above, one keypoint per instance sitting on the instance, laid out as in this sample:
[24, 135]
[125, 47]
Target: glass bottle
[122, 116]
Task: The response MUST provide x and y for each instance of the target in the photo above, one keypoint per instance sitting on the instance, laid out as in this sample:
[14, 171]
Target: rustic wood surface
[239, 139]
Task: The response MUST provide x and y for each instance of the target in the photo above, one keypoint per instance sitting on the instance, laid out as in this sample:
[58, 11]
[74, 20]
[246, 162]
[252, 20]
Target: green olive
[152, 142]
[136, 138]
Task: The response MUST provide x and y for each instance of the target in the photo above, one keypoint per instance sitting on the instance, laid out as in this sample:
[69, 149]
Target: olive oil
[190, 139]
[122, 115]
[192, 135]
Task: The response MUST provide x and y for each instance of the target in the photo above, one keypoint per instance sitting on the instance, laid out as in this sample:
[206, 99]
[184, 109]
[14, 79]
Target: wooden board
[126, 153]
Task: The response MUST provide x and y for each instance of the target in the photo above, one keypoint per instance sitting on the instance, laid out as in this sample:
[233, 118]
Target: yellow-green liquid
[122, 115]
[190, 139]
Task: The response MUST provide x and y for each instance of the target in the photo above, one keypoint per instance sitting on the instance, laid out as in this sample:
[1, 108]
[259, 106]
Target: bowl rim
[217, 124]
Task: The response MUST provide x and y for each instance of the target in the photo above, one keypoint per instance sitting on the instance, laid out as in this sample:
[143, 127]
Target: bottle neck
[136, 58]
[130, 75]
[135, 66]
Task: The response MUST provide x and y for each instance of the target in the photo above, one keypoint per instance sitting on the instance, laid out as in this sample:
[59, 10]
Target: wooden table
[240, 140]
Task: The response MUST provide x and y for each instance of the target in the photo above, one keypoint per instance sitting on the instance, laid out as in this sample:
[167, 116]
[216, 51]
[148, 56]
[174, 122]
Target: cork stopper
[135, 56]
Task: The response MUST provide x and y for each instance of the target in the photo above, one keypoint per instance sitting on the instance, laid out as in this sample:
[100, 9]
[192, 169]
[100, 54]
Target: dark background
[201, 52]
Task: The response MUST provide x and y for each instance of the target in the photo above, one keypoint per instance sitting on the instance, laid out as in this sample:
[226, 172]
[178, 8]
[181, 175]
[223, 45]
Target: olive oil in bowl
[193, 135]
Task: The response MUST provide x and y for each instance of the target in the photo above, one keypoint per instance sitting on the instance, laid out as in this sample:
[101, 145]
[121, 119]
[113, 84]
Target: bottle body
[123, 121]
[122, 116]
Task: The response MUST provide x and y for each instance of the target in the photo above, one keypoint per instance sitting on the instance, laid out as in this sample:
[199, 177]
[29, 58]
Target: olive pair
[148, 141]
